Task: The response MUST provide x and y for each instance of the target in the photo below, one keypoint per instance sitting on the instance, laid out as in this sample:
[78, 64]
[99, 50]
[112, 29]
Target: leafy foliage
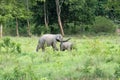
[76, 15]
[117, 71]
[10, 47]
[103, 25]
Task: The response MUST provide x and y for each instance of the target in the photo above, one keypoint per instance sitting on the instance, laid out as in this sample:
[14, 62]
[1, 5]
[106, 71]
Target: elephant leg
[43, 49]
[42, 46]
[71, 48]
[37, 48]
[54, 47]
[61, 48]
[68, 48]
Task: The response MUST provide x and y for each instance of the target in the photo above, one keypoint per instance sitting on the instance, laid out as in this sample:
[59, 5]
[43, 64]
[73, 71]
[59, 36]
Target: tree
[46, 14]
[17, 28]
[113, 9]
[21, 12]
[28, 22]
[5, 13]
[58, 10]
[17, 13]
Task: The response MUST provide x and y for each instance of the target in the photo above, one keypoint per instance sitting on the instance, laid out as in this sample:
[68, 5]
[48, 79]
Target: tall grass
[95, 58]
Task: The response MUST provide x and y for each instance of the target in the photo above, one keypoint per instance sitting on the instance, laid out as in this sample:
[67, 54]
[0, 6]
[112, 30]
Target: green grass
[95, 58]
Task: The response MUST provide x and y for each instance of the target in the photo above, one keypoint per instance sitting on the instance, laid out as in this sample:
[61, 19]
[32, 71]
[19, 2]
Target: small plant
[6, 44]
[44, 78]
[10, 46]
[98, 72]
[86, 69]
[117, 72]
[0, 47]
[46, 58]
[18, 48]
[17, 73]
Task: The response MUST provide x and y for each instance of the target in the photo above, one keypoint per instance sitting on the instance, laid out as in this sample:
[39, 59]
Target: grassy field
[93, 58]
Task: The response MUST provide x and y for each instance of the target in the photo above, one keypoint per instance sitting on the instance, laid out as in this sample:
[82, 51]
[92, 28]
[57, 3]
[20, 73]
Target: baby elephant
[66, 45]
[50, 40]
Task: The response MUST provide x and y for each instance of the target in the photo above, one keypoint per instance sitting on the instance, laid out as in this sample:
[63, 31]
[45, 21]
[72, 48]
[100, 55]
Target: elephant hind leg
[40, 45]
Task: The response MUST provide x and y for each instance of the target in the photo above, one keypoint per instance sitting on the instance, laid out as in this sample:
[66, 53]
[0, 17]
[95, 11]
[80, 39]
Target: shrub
[117, 72]
[98, 72]
[10, 46]
[103, 24]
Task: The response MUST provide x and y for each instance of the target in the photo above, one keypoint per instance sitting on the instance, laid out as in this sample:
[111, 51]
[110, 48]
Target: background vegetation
[35, 17]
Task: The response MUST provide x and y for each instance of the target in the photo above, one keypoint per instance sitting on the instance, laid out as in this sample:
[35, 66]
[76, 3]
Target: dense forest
[35, 17]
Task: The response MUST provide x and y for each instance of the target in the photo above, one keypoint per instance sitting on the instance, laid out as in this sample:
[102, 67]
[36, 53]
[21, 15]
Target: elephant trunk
[65, 40]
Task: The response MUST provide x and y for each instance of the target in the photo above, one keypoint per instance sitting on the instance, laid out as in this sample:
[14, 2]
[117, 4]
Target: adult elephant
[50, 40]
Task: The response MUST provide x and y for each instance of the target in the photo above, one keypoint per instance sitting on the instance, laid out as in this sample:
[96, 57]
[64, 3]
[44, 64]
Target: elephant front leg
[61, 48]
[54, 47]
[37, 48]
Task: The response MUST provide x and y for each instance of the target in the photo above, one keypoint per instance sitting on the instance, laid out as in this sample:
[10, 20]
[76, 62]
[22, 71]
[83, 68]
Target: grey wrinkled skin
[50, 40]
[65, 45]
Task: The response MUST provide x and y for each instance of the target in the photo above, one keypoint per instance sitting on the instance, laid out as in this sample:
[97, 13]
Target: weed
[117, 72]
[9, 46]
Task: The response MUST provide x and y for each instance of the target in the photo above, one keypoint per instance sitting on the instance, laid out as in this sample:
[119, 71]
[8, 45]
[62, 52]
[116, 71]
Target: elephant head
[59, 37]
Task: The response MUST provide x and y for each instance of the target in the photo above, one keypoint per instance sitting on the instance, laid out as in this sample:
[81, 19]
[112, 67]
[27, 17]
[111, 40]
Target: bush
[117, 72]
[103, 24]
[10, 46]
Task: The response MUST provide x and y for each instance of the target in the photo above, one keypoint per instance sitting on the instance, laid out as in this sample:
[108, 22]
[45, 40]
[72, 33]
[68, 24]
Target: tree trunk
[17, 31]
[28, 28]
[45, 16]
[1, 30]
[28, 22]
[58, 9]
